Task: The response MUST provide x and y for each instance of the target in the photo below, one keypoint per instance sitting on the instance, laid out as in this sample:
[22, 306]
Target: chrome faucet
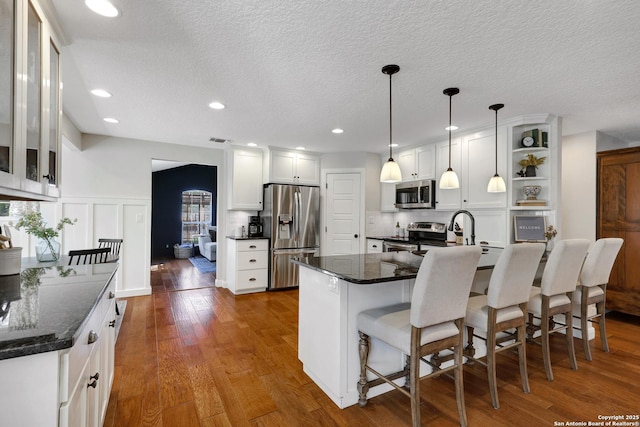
[473, 224]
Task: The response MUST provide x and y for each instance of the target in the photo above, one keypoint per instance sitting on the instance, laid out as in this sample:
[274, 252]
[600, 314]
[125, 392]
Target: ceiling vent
[219, 140]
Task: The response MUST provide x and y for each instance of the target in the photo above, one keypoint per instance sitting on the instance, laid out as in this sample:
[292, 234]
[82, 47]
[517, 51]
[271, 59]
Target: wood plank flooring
[195, 355]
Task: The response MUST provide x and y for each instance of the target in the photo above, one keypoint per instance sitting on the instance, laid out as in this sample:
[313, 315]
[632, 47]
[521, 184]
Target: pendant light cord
[449, 132]
[496, 141]
[390, 119]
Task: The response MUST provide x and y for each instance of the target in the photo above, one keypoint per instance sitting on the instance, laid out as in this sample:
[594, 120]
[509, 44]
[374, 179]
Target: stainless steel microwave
[416, 194]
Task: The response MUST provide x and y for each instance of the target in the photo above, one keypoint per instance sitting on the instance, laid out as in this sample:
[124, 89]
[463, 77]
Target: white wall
[107, 186]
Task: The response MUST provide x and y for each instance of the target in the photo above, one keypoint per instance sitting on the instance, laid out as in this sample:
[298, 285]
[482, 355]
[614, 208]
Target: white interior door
[343, 213]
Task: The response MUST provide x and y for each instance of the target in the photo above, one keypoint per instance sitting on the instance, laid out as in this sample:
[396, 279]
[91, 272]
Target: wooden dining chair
[89, 256]
[432, 322]
[113, 244]
[504, 309]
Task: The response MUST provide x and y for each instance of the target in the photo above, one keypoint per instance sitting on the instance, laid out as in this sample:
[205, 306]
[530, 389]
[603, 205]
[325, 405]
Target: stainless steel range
[421, 236]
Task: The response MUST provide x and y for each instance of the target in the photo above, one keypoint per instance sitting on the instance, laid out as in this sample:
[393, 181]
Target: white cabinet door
[307, 169]
[387, 197]
[374, 246]
[447, 199]
[282, 168]
[246, 180]
[426, 162]
[407, 162]
[479, 163]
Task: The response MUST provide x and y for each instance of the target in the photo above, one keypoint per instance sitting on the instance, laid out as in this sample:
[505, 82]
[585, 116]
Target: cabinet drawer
[248, 279]
[252, 260]
[252, 245]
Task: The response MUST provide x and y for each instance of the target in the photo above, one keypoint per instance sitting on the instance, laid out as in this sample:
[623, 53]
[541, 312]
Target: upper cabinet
[448, 199]
[245, 176]
[30, 104]
[293, 167]
[479, 164]
[417, 163]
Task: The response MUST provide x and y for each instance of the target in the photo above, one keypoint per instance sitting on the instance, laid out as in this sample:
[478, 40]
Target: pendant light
[449, 179]
[390, 171]
[496, 183]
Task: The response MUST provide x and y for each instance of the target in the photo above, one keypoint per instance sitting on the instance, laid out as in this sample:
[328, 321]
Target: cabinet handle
[112, 324]
[252, 260]
[374, 246]
[253, 279]
[111, 295]
[252, 247]
[93, 383]
[93, 337]
[48, 176]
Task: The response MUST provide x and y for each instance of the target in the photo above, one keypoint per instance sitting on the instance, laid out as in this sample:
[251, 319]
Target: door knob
[355, 235]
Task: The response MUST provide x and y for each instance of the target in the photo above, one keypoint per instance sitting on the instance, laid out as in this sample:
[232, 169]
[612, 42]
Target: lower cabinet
[87, 369]
[374, 246]
[248, 265]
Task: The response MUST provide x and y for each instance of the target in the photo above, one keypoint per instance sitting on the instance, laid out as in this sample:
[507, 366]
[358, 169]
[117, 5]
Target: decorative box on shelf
[535, 202]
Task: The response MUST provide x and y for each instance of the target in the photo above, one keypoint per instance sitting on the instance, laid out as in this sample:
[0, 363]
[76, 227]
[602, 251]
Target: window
[196, 214]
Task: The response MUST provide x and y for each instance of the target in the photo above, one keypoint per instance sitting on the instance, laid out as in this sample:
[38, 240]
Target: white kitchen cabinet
[479, 165]
[30, 135]
[374, 246]
[448, 199]
[292, 167]
[248, 265]
[245, 176]
[388, 197]
[417, 163]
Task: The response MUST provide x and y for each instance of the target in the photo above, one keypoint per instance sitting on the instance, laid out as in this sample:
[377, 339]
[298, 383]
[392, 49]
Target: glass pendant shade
[390, 172]
[496, 185]
[449, 180]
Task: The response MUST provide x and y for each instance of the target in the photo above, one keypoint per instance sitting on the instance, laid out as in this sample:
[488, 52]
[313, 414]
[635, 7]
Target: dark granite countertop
[247, 238]
[364, 269]
[44, 308]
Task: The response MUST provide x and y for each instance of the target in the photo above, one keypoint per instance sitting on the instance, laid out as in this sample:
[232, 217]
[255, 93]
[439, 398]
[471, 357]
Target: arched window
[196, 214]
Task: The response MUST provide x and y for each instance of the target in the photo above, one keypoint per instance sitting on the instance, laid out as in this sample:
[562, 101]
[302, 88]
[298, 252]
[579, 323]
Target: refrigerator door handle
[296, 216]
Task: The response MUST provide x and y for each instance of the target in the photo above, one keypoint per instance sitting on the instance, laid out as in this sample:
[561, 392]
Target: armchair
[208, 245]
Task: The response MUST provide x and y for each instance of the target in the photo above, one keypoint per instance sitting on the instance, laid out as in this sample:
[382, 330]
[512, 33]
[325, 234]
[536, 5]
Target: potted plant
[529, 164]
[47, 249]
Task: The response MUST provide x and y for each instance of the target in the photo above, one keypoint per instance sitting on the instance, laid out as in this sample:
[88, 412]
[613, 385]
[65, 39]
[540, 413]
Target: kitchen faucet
[473, 224]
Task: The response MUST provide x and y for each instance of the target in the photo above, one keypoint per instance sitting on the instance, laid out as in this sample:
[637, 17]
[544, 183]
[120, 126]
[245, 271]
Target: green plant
[34, 224]
[550, 233]
[532, 160]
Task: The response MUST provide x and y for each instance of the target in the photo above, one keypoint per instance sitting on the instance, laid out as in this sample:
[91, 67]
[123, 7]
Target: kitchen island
[333, 290]
[57, 344]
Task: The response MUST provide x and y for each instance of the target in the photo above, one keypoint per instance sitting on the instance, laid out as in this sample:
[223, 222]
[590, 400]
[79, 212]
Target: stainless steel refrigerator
[291, 218]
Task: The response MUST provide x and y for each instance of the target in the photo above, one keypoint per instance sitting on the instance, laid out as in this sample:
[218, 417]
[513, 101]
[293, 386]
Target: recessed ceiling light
[252, 144]
[111, 120]
[103, 7]
[101, 93]
[453, 127]
[300, 148]
[337, 130]
[217, 106]
[394, 145]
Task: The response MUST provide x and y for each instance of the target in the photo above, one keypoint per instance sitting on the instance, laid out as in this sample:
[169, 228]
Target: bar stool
[554, 296]
[432, 322]
[592, 288]
[503, 309]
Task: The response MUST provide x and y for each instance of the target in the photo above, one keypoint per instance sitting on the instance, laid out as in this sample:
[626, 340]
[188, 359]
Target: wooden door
[618, 215]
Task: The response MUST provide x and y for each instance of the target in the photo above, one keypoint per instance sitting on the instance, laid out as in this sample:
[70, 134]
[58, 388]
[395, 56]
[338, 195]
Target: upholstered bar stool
[432, 322]
[503, 309]
[554, 296]
[592, 288]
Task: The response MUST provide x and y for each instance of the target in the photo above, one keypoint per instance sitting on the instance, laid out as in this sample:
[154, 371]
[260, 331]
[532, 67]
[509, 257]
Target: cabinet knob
[252, 260]
[48, 176]
[93, 337]
[253, 279]
[93, 383]
[252, 247]
[111, 295]
[112, 324]
[95, 377]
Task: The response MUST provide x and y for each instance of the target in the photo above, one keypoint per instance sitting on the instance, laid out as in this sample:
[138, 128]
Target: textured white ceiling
[290, 71]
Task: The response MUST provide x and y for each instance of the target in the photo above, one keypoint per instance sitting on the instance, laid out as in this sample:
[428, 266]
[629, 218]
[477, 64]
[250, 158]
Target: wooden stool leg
[569, 335]
[363, 385]
[584, 323]
[602, 326]
[544, 337]
[414, 375]
[459, 382]
[491, 357]
[522, 352]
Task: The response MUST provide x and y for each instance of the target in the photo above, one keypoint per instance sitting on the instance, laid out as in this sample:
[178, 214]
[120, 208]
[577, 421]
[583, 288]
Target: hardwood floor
[189, 355]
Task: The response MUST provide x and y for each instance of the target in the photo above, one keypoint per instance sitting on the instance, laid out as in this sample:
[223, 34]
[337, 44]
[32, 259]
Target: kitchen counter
[363, 269]
[44, 308]
[247, 238]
